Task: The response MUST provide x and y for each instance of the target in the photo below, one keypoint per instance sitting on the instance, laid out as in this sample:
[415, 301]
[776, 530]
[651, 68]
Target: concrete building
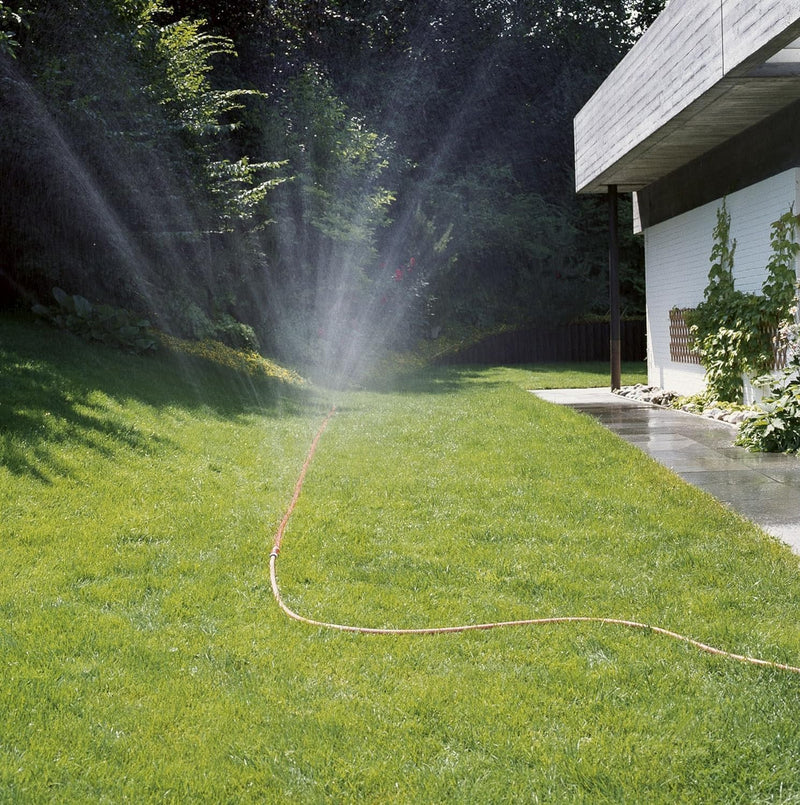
[705, 107]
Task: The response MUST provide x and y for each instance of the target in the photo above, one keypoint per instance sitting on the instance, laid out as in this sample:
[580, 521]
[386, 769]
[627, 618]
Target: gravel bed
[658, 396]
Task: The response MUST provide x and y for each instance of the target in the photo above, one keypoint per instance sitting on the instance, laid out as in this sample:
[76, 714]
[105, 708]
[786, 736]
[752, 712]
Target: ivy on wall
[732, 331]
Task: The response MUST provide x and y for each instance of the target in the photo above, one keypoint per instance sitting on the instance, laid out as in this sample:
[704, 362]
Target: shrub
[186, 319]
[109, 325]
[235, 333]
[774, 424]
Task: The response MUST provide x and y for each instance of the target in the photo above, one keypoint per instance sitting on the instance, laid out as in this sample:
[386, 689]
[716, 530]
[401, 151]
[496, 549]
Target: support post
[613, 285]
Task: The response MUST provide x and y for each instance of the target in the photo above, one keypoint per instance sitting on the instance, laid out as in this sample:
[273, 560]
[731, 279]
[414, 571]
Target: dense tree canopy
[400, 166]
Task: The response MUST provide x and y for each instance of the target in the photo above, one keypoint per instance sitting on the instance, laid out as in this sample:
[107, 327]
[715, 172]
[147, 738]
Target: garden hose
[273, 558]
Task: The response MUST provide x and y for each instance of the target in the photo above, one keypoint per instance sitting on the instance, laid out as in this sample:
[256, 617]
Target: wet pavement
[764, 487]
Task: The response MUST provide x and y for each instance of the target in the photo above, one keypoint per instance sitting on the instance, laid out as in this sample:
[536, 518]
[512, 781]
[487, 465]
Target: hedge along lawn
[144, 658]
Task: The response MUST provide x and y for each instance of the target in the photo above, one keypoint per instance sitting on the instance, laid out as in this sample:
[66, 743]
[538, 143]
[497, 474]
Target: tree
[116, 121]
[287, 185]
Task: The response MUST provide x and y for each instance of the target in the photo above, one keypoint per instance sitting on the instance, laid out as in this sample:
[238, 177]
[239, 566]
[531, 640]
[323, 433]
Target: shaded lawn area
[144, 657]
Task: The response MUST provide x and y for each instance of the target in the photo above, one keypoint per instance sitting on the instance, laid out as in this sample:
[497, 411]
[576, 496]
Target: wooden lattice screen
[781, 350]
[680, 350]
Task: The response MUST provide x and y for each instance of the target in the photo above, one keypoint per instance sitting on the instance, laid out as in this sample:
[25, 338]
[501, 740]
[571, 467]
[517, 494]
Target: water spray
[471, 627]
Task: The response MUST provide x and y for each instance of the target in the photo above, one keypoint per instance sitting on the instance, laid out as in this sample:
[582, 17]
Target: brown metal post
[613, 284]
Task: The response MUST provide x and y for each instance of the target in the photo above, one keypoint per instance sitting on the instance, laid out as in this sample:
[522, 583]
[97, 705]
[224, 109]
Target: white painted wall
[677, 258]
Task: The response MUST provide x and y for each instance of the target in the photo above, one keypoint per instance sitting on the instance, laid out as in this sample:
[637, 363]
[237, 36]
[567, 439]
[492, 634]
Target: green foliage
[339, 164]
[510, 256]
[478, 103]
[11, 21]
[779, 288]
[235, 333]
[774, 424]
[733, 331]
[405, 276]
[239, 192]
[186, 318]
[109, 325]
[720, 276]
[705, 401]
[328, 219]
[242, 359]
[183, 88]
[120, 162]
[179, 57]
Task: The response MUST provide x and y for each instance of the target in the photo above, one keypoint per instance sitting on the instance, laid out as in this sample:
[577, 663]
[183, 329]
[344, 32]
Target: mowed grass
[144, 658]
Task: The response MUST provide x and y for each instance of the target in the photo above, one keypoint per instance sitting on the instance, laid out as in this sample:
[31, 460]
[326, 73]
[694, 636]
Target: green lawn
[144, 658]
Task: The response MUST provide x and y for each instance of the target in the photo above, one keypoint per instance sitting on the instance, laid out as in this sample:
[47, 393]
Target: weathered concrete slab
[693, 81]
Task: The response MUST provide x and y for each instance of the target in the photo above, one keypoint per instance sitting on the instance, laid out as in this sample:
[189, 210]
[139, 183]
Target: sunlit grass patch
[413, 371]
[240, 360]
[145, 659]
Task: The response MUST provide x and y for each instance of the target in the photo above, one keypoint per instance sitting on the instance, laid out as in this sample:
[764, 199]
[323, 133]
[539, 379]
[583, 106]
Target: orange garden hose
[273, 558]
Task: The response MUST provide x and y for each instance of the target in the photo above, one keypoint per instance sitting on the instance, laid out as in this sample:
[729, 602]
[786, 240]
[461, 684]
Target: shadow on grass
[49, 382]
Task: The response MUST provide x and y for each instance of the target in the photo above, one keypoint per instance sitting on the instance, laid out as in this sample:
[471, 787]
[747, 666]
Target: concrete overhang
[701, 74]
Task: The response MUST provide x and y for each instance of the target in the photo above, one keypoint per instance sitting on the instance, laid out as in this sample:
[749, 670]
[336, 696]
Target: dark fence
[567, 344]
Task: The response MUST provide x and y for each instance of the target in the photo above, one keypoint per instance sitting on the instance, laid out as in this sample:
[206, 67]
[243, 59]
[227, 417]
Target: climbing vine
[732, 331]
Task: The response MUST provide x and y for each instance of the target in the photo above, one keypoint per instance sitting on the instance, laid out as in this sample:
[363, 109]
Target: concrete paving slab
[764, 487]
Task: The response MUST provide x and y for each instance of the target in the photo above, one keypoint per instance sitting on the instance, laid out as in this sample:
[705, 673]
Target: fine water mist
[322, 216]
[125, 208]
